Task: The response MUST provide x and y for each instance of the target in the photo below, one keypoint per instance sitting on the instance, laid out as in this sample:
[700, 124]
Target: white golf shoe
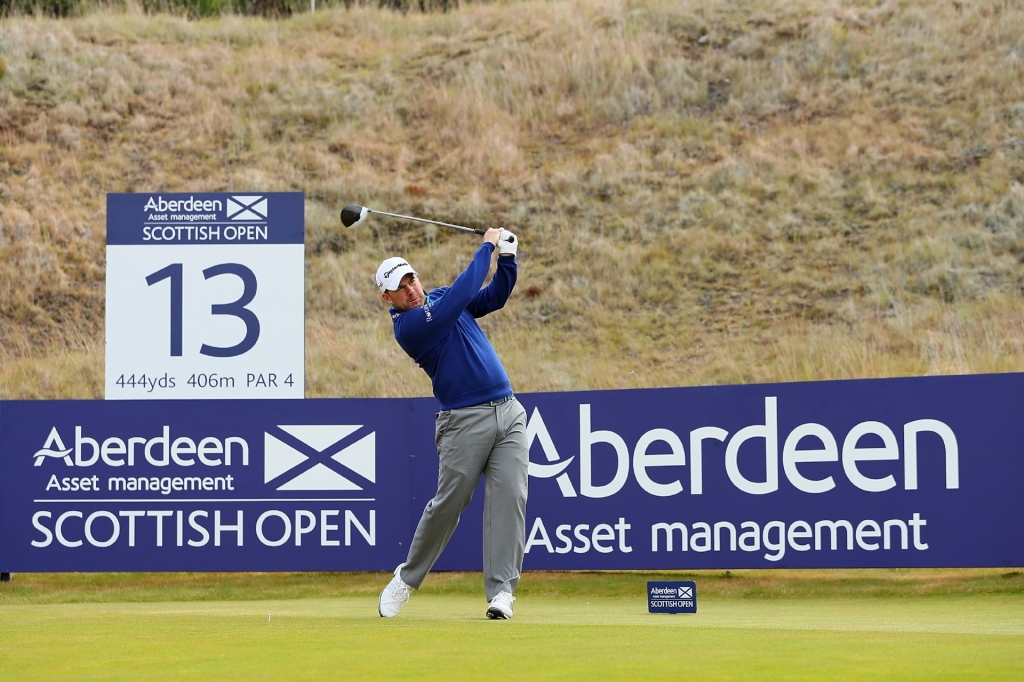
[394, 596]
[501, 606]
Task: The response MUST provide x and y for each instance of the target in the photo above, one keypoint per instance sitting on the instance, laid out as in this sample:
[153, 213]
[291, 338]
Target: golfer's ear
[387, 299]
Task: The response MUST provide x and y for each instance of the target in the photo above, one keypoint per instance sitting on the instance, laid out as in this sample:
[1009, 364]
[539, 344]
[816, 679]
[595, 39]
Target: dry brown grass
[848, 205]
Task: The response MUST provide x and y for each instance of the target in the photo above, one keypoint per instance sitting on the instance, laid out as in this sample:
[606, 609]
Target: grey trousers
[488, 440]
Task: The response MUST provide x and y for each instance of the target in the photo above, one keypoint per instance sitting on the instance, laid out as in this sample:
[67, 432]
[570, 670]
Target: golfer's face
[408, 295]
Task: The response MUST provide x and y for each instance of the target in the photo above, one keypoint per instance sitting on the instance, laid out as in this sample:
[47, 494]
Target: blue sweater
[443, 337]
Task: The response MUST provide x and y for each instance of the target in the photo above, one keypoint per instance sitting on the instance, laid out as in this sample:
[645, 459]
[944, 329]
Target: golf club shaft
[424, 220]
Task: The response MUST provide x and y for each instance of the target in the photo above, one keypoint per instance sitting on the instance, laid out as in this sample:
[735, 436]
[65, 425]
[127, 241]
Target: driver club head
[353, 214]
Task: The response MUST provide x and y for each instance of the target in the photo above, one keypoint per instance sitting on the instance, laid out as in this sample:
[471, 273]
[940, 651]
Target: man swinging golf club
[481, 428]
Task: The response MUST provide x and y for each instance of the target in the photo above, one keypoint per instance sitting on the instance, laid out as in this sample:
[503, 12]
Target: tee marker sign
[671, 596]
[205, 296]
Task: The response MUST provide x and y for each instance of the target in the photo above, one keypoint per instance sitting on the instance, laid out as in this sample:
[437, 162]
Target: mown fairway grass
[446, 637]
[917, 625]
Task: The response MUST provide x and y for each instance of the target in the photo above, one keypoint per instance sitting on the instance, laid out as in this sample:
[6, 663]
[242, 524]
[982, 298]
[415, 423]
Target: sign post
[205, 296]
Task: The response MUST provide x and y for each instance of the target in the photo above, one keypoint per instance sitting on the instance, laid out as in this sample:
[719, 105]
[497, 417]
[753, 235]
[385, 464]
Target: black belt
[499, 401]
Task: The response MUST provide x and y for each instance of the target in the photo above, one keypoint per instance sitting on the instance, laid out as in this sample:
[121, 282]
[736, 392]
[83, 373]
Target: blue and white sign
[190, 485]
[205, 296]
[914, 472]
[671, 596]
[867, 473]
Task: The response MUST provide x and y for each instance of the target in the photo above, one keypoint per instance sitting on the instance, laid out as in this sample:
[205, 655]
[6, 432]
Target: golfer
[481, 428]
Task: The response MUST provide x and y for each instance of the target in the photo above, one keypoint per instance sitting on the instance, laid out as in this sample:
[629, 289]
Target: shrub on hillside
[211, 8]
[52, 8]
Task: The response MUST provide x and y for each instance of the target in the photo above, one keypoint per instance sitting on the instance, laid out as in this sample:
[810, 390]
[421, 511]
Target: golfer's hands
[507, 243]
[492, 235]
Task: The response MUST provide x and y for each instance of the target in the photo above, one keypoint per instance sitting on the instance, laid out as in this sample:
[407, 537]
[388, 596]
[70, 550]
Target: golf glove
[506, 247]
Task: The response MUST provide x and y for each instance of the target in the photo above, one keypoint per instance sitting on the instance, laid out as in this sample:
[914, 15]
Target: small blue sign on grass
[671, 596]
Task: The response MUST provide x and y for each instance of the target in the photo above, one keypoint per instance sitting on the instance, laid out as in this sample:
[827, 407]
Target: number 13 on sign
[237, 308]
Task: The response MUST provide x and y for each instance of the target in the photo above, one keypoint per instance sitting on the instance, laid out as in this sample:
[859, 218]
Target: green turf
[793, 625]
[906, 625]
[444, 637]
[56, 588]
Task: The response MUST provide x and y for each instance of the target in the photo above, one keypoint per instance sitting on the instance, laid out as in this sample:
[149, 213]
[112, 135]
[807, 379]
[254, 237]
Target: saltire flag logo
[247, 208]
[319, 457]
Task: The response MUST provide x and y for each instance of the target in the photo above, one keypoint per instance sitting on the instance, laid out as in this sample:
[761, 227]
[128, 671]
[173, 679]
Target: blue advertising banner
[911, 472]
[235, 485]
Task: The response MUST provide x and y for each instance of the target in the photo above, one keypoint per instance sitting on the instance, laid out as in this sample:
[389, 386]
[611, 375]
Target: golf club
[353, 214]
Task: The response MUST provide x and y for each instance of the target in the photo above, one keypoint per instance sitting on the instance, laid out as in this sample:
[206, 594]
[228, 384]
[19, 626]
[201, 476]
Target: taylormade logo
[160, 450]
[662, 449]
[319, 457]
[403, 264]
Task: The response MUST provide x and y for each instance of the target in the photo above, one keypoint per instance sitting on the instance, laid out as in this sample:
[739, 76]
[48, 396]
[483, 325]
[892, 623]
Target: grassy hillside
[707, 191]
